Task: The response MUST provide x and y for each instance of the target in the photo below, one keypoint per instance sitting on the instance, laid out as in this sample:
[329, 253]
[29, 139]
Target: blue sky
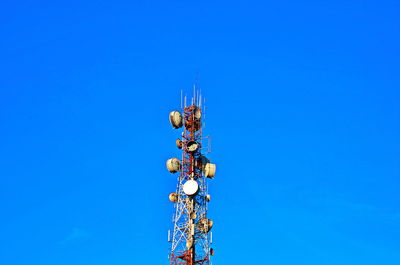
[302, 106]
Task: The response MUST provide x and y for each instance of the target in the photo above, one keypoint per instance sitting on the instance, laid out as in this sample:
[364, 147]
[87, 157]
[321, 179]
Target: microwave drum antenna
[175, 118]
[191, 187]
[210, 170]
[173, 165]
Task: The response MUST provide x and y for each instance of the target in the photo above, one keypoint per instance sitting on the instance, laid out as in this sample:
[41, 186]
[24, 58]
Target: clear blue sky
[303, 107]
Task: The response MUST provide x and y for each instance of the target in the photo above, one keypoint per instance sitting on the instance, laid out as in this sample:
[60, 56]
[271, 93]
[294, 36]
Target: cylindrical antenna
[194, 95]
[204, 119]
[181, 100]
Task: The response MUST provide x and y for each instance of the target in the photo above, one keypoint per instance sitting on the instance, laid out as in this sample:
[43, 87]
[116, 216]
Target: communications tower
[191, 237]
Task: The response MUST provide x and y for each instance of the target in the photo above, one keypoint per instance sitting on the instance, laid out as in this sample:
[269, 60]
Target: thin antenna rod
[194, 95]
[198, 97]
[204, 119]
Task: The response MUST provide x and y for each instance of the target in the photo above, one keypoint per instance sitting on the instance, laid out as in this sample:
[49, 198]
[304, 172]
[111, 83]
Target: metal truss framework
[190, 242]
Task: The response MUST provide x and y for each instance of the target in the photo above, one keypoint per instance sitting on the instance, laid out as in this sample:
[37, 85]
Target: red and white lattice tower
[191, 237]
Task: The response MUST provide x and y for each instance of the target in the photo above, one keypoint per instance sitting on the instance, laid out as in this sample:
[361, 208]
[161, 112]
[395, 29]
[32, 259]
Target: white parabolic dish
[190, 187]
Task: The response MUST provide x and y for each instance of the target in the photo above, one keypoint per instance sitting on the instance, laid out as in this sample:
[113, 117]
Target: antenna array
[191, 236]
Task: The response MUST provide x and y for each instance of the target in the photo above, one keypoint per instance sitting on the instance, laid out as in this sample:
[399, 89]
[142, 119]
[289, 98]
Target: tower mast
[191, 236]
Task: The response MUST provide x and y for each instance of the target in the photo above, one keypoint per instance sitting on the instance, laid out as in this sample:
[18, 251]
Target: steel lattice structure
[191, 236]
